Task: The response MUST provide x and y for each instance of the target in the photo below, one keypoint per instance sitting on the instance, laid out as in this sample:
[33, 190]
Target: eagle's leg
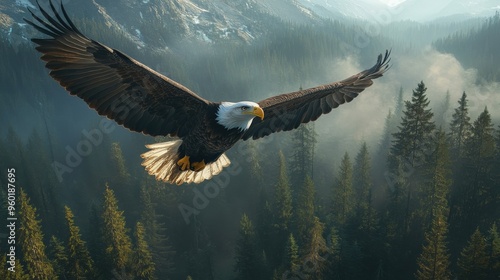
[183, 163]
[197, 166]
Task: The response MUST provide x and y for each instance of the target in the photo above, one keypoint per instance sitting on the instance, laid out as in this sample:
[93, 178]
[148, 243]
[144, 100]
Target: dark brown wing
[287, 111]
[112, 83]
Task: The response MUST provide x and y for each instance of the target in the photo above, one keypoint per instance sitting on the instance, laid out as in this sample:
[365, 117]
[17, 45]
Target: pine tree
[118, 247]
[18, 273]
[119, 162]
[406, 162]
[460, 127]
[415, 129]
[304, 140]
[433, 263]
[283, 197]
[435, 192]
[155, 235]
[292, 254]
[362, 184]
[441, 112]
[59, 256]
[38, 265]
[80, 264]
[473, 260]
[494, 251]
[316, 249]
[480, 191]
[304, 211]
[400, 104]
[342, 192]
[282, 214]
[247, 263]
[144, 266]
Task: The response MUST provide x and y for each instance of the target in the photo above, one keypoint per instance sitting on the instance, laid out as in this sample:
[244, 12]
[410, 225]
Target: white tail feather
[161, 161]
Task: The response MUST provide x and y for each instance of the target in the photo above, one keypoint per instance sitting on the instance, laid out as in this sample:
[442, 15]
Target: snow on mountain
[427, 10]
[156, 23]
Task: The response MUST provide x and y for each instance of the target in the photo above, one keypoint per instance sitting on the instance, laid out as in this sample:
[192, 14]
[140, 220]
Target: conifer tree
[479, 195]
[38, 265]
[118, 247]
[155, 235]
[283, 197]
[362, 184]
[144, 266]
[282, 213]
[494, 251]
[59, 256]
[433, 262]
[80, 264]
[292, 254]
[342, 192]
[460, 127]
[265, 222]
[316, 249]
[18, 273]
[415, 129]
[119, 162]
[408, 152]
[400, 104]
[304, 211]
[473, 260]
[247, 263]
[304, 140]
[436, 190]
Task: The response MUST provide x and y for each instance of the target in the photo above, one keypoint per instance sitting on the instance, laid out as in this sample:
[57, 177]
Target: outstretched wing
[112, 83]
[287, 111]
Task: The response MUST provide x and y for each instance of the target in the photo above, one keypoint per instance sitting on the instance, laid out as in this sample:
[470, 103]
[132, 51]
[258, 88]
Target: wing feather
[288, 111]
[111, 82]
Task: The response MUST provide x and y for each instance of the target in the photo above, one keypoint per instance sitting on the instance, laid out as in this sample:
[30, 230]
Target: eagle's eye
[244, 108]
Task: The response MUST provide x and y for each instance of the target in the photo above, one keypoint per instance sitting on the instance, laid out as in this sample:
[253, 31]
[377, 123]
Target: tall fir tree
[80, 264]
[362, 185]
[494, 251]
[460, 127]
[155, 235]
[343, 196]
[143, 264]
[411, 145]
[473, 260]
[282, 213]
[117, 244]
[38, 265]
[304, 210]
[247, 262]
[283, 197]
[316, 250]
[415, 129]
[17, 274]
[434, 261]
[302, 159]
[434, 196]
[59, 256]
[480, 197]
[291, 255]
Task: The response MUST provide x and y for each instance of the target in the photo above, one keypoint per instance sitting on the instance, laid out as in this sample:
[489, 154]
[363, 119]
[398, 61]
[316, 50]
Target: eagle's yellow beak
[258, 112]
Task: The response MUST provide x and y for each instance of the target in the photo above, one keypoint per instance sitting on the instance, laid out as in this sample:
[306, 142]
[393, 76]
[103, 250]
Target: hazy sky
[390, 2]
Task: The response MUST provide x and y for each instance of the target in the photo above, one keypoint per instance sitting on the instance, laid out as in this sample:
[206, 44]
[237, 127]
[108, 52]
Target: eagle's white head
[238, 115]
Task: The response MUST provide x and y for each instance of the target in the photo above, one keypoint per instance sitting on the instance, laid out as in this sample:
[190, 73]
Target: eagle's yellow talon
[197, 166]
[183, 163]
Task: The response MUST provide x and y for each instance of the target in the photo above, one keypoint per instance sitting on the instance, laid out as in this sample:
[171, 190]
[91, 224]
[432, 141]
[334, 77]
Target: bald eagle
[143, 100]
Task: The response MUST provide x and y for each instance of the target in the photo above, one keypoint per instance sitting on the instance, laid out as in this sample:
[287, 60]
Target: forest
[419, 199]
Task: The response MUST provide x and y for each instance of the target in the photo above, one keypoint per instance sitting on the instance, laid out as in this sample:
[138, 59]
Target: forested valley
[417, 199]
